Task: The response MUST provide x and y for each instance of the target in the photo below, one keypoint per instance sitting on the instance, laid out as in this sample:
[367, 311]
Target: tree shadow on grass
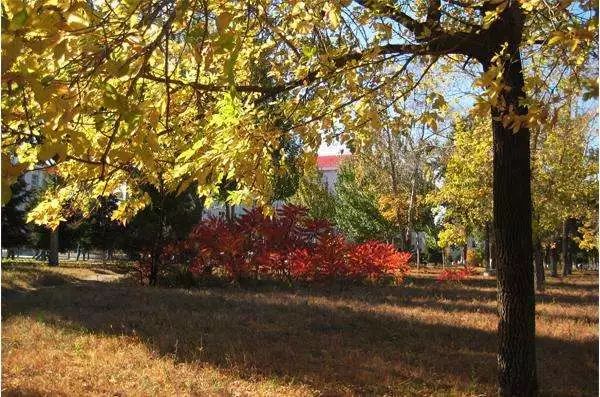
[430, 290]
[295, 337]
[28, 392]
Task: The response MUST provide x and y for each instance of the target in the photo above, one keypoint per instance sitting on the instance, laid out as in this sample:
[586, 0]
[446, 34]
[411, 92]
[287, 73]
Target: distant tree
[313, 194]
[565, 182]
[466, 193]
[107, 232]
[98, 230]
[15, 231]
[169, 218]
[286, 179]
[356, 211]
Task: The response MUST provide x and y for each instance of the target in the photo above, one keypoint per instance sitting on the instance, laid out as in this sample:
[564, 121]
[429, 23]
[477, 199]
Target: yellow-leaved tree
[466, 192]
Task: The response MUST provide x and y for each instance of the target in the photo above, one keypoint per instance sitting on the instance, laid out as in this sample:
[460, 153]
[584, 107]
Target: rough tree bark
[512, 211]
[53, 254]
[512, 248]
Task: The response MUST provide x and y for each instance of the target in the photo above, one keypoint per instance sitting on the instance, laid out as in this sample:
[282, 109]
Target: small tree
[313, 194]
[169, 218]
[356, 211]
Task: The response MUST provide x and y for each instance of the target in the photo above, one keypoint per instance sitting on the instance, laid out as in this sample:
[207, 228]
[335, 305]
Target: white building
[329, 167]
[35, 179]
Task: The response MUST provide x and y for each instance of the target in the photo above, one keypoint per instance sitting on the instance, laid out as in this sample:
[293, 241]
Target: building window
[35, 180]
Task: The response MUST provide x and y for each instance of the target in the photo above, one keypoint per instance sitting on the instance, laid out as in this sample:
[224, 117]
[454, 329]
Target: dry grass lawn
[88, 331]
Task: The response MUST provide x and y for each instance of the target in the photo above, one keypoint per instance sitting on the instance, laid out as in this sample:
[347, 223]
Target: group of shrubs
[288, 246]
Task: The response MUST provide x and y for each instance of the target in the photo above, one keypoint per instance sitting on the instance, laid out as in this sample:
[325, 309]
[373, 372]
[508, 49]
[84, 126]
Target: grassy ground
[90, 331]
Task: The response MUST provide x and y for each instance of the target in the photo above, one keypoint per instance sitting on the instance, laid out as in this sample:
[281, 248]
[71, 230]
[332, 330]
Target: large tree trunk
[540, 277]
[512, 251]
[53, 254]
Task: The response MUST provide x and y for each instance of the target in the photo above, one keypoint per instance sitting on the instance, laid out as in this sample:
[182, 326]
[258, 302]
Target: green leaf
[226, 41]
[19, 20]
[309, 51]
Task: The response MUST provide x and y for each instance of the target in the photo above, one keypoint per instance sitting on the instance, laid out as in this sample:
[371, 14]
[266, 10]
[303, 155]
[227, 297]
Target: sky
[335, 148]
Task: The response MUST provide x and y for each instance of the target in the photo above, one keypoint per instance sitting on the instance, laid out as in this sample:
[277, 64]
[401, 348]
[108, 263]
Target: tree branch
[457, 43]
[388, 10]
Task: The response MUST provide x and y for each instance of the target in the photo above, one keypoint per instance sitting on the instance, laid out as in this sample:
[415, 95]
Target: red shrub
[374, 259]
[289, 245]
[456, 274]
[329, 258]
[215, 243]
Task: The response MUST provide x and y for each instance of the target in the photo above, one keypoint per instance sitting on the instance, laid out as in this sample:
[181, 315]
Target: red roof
[331, 162]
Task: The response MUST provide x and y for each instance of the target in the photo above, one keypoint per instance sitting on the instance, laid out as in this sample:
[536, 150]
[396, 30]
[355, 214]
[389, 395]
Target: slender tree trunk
[444, 258]
[565, 247]
[53, 255]
[570, 246]
[486, 248]
[411, 203]
[540, 277]
[553, 259]
[418, 253]
[512, 251]
[394, 177]
[153, 278]
[159, 240]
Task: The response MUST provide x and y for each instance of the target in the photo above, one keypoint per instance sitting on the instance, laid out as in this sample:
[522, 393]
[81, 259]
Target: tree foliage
[150, 92]
[565, 181]
[314, 195]
[356, 211]
[466, 193]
